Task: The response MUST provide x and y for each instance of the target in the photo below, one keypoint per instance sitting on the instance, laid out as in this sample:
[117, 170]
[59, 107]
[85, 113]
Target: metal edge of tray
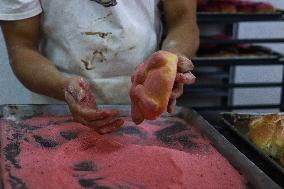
[253, 174]
[1, 170]
[1, 110]
[247, 116]
[22, 111]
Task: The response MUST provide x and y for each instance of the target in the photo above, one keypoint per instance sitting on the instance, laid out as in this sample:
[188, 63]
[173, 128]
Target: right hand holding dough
[152, 84]
[82, 105]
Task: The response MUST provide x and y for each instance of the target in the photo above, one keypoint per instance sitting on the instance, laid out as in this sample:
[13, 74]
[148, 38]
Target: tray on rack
[257, 178]
[239, 16]
[252, 57]
[263, 57]
[237, 54]
[238, 124]
[242, 61]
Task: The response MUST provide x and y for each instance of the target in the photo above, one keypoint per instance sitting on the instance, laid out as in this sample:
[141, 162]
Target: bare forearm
[37, 73]
[183, 39]
[183, 33]
[32, 69]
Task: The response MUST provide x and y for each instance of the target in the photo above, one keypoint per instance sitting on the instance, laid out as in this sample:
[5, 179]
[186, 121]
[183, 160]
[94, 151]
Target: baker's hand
[82, 105]
[184, 76]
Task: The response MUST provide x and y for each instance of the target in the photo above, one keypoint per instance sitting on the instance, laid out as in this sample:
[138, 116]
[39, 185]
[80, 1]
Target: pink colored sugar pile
[52, 152]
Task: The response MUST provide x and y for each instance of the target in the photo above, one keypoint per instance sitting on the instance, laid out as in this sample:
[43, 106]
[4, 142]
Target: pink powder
[52, 152]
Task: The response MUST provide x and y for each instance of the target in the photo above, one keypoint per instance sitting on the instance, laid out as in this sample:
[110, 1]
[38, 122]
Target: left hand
[82, 105]
[184, 76]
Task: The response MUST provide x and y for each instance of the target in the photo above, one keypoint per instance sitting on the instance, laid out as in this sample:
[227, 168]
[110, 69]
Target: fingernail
[192, 76]
[68, 96]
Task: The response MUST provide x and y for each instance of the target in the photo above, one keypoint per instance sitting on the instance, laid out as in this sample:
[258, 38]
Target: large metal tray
[256, 177]
[237, 123]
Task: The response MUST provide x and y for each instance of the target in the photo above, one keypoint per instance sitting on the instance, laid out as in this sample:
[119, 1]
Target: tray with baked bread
[236, 7]
[236, 52]
[237, 10]
[264, 132]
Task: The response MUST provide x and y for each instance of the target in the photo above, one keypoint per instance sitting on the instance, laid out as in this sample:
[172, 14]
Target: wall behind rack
[263, 73]
[11, 90]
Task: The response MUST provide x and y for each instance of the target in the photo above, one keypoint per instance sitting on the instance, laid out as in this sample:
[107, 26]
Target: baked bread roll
[267, 133]
[152, 85]
[264, 7]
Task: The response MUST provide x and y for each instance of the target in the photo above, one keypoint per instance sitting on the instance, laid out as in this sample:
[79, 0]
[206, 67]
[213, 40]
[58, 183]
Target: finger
[111, 127]
[95, 125]
[145, 99]
[92, 114]
[110, 112]
[132, 78]
[69, 99]
[136, 114]
[171, 105]
[96, 114]
[80, 120]
[177, 91]
[184, 64]
[156, 60]
[139, 74]
[86, 113]
[102, 123]
[89, 117]
[185, 78]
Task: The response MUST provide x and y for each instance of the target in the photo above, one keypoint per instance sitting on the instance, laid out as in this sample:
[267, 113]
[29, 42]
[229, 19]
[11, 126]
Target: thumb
[70, 100]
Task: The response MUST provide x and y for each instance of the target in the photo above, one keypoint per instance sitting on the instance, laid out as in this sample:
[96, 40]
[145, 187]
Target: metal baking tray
[256, 177]
[237, 123]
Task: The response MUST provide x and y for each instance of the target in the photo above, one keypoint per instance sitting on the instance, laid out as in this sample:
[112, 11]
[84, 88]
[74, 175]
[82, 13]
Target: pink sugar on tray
[155, 155]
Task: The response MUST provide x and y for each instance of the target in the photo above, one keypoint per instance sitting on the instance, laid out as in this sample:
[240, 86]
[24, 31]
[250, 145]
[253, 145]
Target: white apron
[102, 44]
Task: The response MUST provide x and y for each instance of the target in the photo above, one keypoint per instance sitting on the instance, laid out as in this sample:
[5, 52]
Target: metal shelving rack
[224, 89]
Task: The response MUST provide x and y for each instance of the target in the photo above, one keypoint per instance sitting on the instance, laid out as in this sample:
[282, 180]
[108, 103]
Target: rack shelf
[235, 85]
[239, 41]
[222, 76]
[205, 93]
[257, 61]
[207, 17]
[237, 107]
[210, 74]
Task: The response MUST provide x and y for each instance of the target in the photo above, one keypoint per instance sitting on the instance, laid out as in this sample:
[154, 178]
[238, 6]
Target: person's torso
[103, 44]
